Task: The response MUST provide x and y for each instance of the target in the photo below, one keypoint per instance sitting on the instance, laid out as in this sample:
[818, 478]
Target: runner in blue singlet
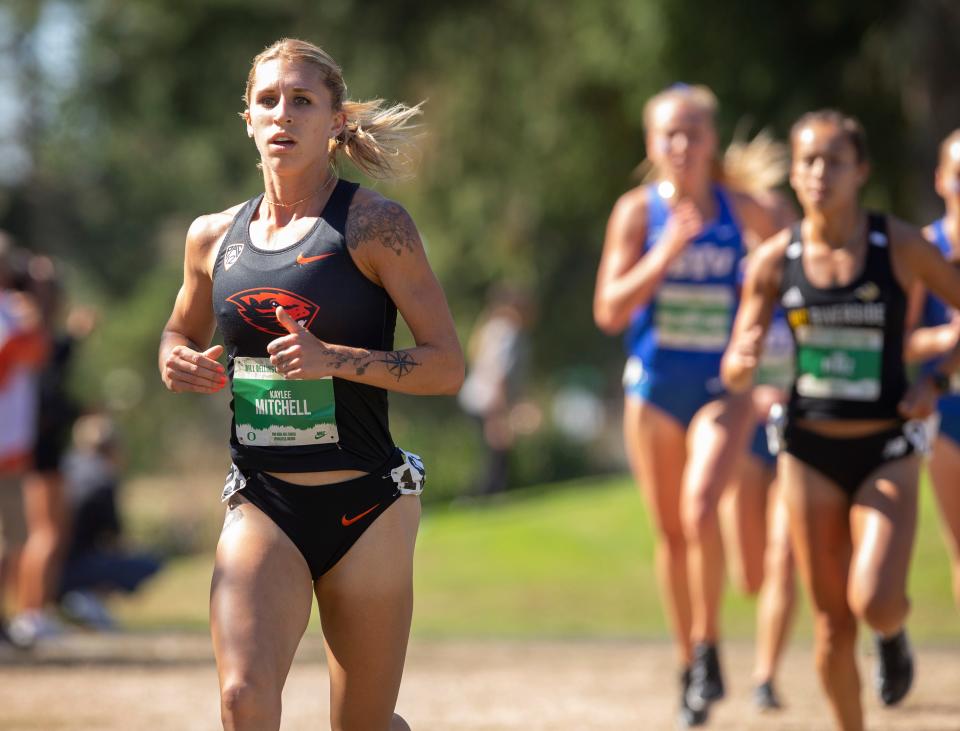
[940, 332]
[675, 340]
[668, 276]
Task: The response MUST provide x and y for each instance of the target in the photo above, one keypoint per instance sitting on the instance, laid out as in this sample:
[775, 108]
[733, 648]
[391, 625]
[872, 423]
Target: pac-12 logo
[231, 254]
[258, 307]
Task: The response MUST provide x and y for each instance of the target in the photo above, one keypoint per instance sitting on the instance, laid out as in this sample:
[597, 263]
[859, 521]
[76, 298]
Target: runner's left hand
[302, 355]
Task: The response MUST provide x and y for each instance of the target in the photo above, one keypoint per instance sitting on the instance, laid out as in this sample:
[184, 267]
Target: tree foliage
[533, 121]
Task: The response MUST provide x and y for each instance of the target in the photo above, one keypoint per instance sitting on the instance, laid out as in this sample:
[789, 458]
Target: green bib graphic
[843, 363]
[694, 316]
[273, 411]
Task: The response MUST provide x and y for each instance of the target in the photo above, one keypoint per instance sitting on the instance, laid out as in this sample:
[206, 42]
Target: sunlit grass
[565, 560]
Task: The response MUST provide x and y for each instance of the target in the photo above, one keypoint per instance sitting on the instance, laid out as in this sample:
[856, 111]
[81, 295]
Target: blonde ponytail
[755, 166]
[377, 138]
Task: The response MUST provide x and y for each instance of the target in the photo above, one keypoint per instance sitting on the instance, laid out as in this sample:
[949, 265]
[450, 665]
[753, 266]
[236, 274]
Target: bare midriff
[318, 478]
[853, 428]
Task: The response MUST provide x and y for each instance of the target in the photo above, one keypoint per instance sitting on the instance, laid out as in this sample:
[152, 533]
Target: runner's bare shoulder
[628, 220]
[205, 236]
[627, 228]
[903, 234]
[765, 263]
[910, 248]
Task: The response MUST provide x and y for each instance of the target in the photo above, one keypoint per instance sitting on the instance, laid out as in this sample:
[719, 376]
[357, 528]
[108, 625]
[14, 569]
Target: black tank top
[849, 340]
[301, 425]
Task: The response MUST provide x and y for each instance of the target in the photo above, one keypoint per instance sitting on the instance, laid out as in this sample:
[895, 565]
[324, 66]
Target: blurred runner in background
[938, 335]
[849, 462]
[669, 276]
[753, 514]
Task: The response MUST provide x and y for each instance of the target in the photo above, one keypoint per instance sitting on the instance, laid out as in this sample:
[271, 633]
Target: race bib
[840, 363]
[694, 316]
[271, 410]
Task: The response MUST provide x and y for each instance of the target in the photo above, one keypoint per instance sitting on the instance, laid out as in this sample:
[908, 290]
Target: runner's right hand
[186, 370]
[742, 358]
[684, 225]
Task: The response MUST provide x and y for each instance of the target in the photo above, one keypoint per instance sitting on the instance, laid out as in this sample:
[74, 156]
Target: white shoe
[32, 626]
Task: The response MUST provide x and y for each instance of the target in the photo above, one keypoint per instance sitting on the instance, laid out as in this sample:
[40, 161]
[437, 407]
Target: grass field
[565, 560]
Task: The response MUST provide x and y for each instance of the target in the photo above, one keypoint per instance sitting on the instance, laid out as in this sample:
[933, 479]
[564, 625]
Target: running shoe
[32, 626]
[688, 716]
[765, 697]
[894, 668]
[706, 680]
[86, 608]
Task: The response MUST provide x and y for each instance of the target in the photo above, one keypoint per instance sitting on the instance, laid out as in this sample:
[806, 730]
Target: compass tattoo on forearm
[399, 363]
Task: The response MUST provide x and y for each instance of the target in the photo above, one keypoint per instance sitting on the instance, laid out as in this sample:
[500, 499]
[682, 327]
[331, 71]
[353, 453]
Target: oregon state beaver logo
[258, 307]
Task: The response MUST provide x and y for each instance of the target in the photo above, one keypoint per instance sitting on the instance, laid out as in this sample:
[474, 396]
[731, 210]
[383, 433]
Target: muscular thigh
[818, 516]
[656, 448]
[945, 472]
[260, 598]
[366, 603]
[743, 522]
[883, 521]
[716, 439]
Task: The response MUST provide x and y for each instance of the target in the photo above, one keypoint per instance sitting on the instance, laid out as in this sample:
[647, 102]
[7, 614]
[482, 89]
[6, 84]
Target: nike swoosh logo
[301, 259]
[346, 522]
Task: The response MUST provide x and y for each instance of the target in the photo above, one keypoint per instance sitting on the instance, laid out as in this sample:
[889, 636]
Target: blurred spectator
[97, 563]
[43, 495]
[23, 350]
[498, 352]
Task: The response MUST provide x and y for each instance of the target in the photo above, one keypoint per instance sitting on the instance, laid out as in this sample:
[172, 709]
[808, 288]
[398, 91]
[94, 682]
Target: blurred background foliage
[118, 126]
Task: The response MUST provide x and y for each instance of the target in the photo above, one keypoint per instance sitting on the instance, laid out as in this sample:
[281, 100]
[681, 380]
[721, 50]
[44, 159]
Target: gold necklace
[330, 178]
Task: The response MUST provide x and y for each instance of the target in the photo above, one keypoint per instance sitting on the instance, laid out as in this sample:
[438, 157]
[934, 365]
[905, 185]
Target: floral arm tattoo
[384, 222]
[387, 223]
[399, 363]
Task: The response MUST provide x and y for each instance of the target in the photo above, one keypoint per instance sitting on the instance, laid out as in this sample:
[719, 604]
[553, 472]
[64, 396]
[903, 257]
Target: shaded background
[118, 126]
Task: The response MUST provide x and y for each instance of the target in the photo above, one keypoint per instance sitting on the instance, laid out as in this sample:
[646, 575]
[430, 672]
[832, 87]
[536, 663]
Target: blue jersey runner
[676, 341]
[936, 312]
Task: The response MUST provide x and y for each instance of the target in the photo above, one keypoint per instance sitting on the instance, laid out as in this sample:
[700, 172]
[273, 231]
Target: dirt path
[168, 683]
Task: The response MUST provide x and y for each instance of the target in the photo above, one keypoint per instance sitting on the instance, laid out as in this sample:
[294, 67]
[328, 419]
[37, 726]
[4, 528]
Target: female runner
[305, 281]
[669, 276]
[848, 467]
[940, 333]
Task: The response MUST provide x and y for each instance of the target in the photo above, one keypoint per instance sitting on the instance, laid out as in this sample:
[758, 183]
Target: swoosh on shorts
[346, 522]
